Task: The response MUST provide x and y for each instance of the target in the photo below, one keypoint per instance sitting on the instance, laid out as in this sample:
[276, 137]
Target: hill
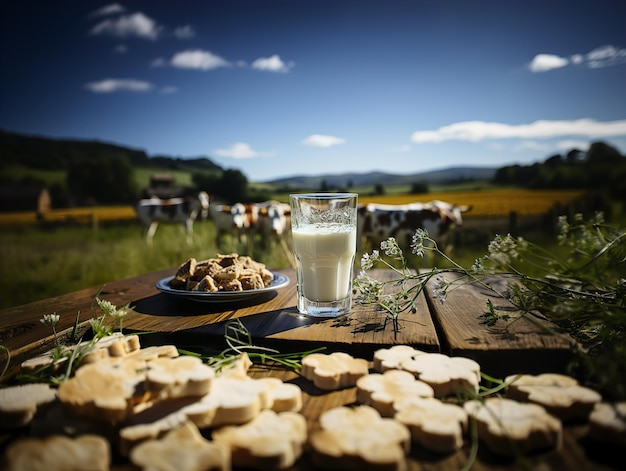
[443, 176]
[58, 154]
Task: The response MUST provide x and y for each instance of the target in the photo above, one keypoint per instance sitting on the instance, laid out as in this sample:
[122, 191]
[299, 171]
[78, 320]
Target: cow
[274, 219]
[239, 220]
[274, 225]
[378, 222]
[183, 210]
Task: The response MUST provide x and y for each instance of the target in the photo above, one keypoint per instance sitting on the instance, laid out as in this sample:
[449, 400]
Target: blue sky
[288, 87]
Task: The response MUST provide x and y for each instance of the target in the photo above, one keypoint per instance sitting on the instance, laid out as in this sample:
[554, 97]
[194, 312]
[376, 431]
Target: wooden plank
[275, 320]
[529, 345]
[272, 317]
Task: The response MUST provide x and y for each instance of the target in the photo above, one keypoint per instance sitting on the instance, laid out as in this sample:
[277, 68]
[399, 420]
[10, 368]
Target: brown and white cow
[378, 222]
[183, 210]
[239, 220]
[274, 219]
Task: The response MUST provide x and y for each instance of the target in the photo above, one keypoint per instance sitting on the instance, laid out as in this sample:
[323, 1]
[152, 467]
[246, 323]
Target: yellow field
[490, 203]
[70, 215]
[485, 203]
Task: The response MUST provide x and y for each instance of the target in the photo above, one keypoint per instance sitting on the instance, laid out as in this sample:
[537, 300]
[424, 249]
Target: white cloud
[159, 62]
[118, 85]
[198, 59]
[577, 59]
[184, 32]
[240, 150]
[272, 64]
[545, 62]
[111, 9]
[603, 56]
[320, 140]
[136, 24]
[168, 90]
[480, 130]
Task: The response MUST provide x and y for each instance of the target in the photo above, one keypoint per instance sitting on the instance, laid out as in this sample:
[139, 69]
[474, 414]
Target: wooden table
[528, 346]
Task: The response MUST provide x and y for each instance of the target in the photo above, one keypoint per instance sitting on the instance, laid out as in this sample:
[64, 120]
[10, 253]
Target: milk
[324, 257]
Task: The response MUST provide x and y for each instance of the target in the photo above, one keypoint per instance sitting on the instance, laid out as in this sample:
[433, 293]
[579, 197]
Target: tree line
[601, 168]
[98, 173]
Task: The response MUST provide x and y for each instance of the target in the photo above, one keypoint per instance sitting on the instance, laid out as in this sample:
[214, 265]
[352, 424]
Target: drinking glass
[324, 245]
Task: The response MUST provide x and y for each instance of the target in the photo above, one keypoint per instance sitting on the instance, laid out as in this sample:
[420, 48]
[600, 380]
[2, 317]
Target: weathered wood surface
[529, 344]
[452, 327]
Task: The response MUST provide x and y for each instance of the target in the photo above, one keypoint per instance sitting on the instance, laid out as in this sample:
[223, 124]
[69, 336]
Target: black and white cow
[182, 210]
[378, 222]
[274, 226]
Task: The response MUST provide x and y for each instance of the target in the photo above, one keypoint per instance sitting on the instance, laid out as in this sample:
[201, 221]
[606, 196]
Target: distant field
[490, 203]
[485, 203]
[80, 216]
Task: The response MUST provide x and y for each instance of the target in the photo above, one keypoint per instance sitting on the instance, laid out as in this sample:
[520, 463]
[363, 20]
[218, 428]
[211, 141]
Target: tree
[419, 187]
[205, 182]
[104, 181]
[232, 186]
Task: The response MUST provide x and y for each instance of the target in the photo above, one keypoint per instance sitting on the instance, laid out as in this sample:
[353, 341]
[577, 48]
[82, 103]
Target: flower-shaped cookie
[19, 404]
[509, 427]
[283, 396]
[58, 453]
[183, 449]
[561, 395]
[359, 438]
[381, 391]
[178, 377]
[391, 358]
[234, 399]
[109, 389]
[446, 375]
[334, 371]
[607, 422]
[270, 441]
[436, 426]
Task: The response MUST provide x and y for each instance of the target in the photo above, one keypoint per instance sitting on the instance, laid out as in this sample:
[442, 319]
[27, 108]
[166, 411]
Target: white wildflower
[390, 247]
[50, 319]
[368, 261]
[440, 289]
[417, 243]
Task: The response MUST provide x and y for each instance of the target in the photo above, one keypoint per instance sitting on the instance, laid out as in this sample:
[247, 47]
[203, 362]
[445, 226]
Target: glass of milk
[324, 244]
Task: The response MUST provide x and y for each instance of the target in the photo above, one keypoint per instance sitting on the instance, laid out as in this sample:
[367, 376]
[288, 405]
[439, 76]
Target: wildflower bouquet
[582, 291]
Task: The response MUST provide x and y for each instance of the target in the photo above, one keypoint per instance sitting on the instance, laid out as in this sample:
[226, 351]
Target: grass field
[38, 263]
[84, 247]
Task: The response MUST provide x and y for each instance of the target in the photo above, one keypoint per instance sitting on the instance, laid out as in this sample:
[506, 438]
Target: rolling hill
[448, 175]
[57, 154]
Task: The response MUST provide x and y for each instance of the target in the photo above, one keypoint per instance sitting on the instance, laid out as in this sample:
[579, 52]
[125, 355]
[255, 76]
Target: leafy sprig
[69, 350]
[239, 340]
[581, 288]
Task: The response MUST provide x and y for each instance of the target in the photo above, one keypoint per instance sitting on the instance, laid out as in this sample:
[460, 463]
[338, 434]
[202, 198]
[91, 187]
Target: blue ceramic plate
[279, 281]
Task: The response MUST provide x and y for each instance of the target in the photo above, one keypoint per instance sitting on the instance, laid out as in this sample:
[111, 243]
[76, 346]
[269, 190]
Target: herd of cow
[271, 219]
